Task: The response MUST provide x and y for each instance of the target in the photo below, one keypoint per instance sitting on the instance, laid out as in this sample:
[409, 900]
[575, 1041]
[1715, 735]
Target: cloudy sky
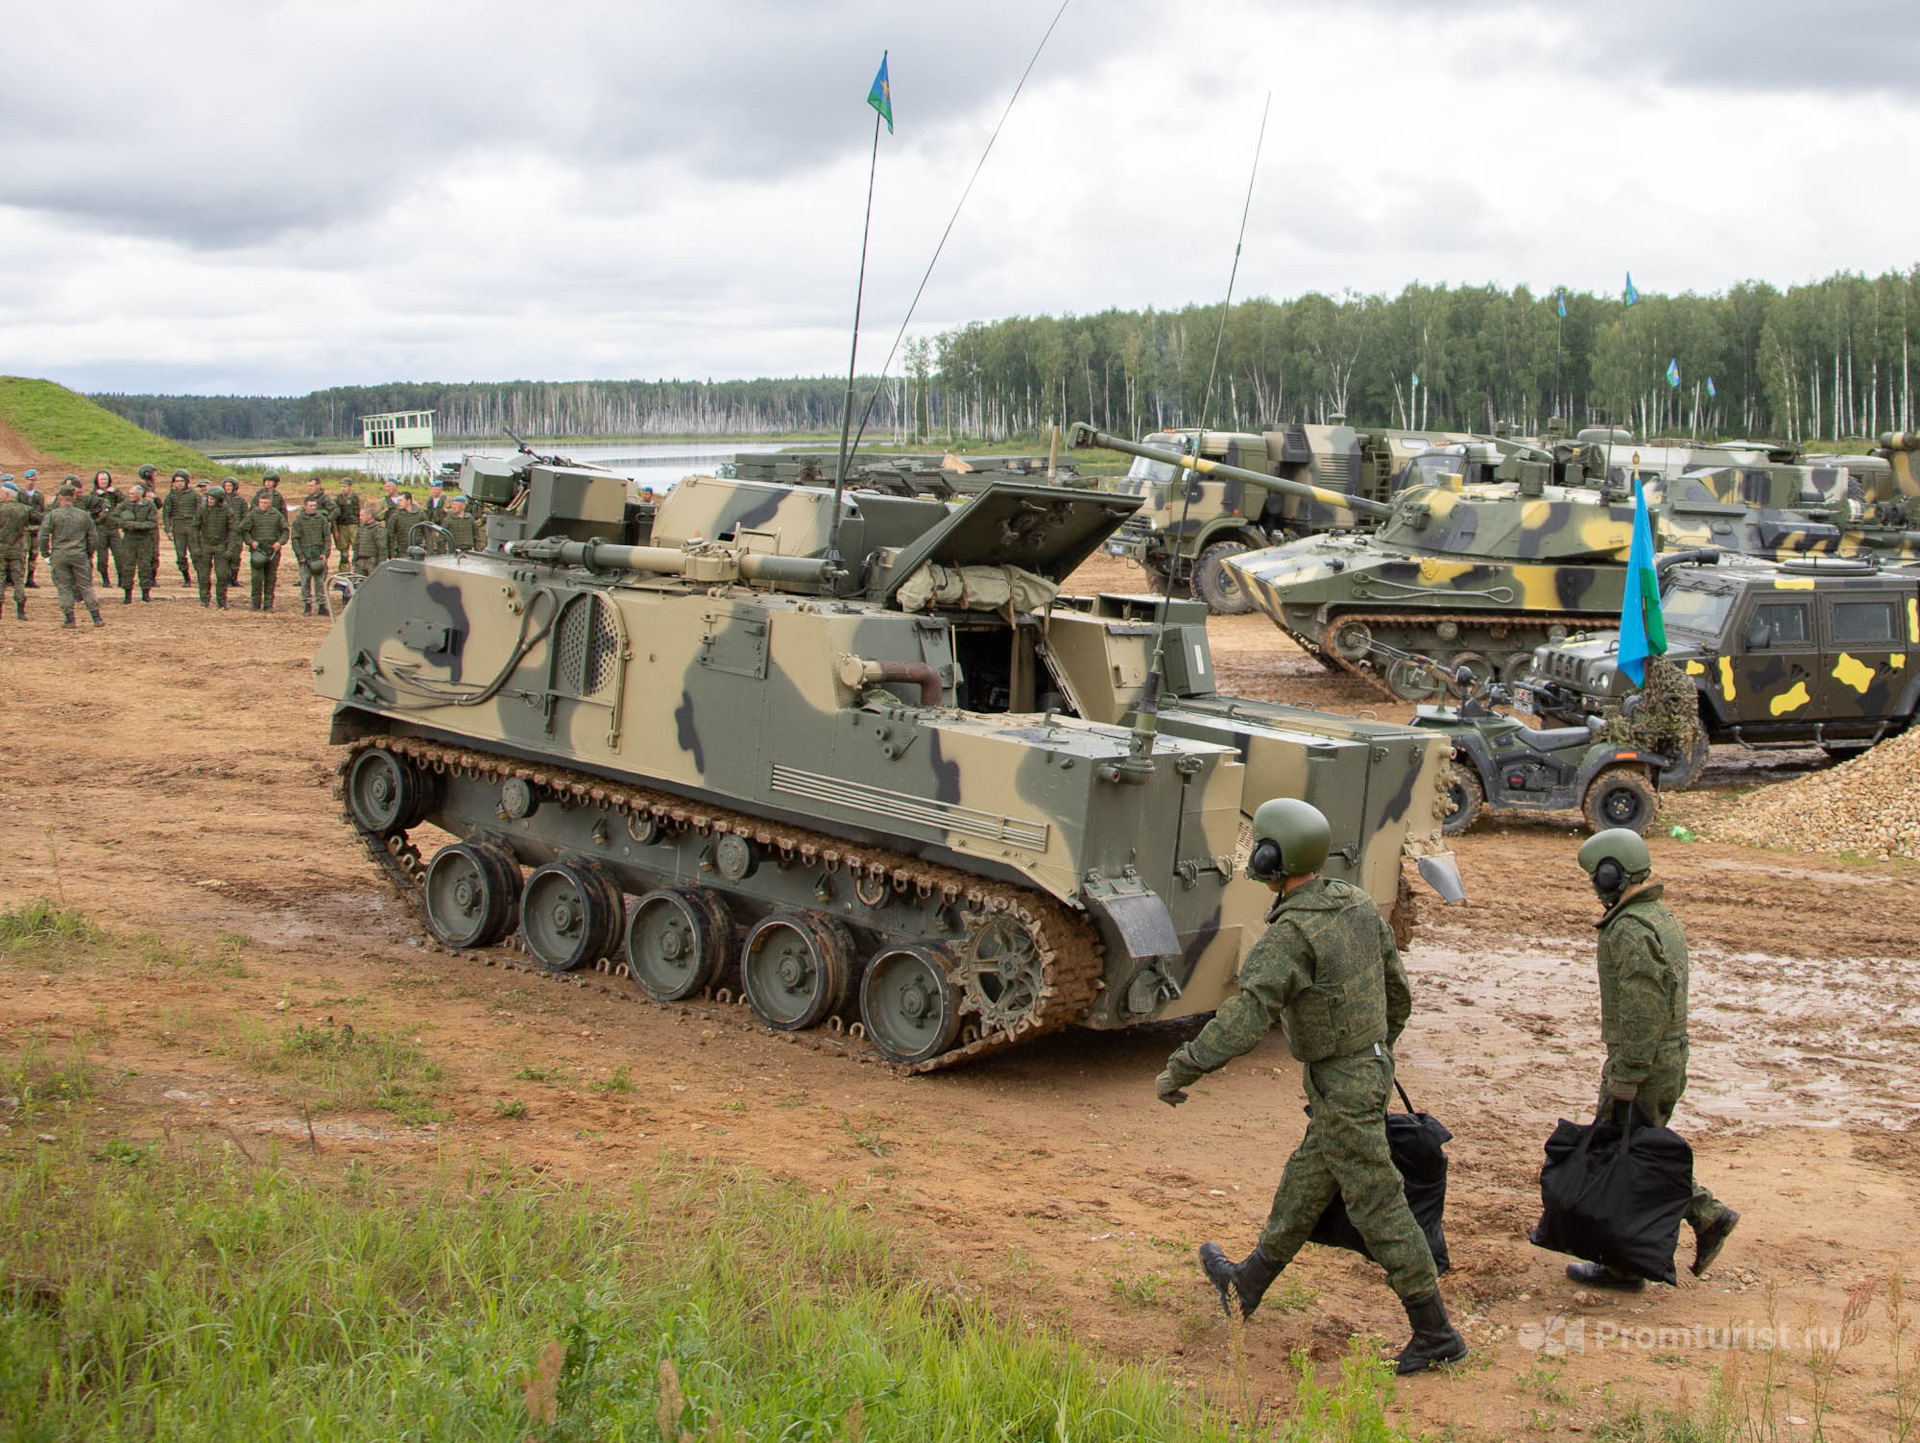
[200, 195]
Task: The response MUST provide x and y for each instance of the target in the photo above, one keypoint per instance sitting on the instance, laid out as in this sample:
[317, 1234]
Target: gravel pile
[1870, 805]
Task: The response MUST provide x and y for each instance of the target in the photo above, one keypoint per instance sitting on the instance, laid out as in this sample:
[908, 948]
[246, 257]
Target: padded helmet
[146, 473]
[1615, 859]
[1291, 838]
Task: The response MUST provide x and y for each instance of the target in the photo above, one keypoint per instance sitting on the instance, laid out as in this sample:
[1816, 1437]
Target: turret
[1085, 435]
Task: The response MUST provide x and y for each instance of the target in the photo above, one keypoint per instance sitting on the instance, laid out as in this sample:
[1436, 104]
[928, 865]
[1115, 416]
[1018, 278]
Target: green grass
[186, 1296]
[42, 925]
[335, 1069]
[61, 423]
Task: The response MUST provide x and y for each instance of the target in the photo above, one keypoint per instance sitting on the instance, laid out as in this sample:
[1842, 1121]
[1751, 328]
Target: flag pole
[853, 358]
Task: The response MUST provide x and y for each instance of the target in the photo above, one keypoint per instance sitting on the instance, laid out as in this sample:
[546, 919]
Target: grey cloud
[271, 119]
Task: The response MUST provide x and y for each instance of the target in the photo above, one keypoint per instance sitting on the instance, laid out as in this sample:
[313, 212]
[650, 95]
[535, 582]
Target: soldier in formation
[16, 527]
[1643, 1021]
[216, 541]
[263, 531]
[69, 541]
[180, 513]
[100, 507]
[311, 539]
[37, 504]
[1328, 973]
[137, 519]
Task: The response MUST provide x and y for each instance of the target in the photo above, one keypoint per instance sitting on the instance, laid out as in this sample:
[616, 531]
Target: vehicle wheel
[571, 914]
[472, 894]
[1217, 584]
[1515, 665]
[679, 941]
[910, 1003]
[1465, 797]
[1411, 681]
[1687, 771]
[796, 969]
[386, 793]
[1620, 797]
[1351, 640]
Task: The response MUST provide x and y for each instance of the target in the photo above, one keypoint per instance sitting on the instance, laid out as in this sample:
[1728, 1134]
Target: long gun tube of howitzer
[667, 560]
[1085, 435]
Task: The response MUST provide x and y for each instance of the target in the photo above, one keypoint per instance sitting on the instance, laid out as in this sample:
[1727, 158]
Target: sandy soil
[170, 774]
[16, 456]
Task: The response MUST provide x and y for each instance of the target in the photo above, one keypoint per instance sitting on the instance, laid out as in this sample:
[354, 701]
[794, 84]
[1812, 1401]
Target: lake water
[650, 463]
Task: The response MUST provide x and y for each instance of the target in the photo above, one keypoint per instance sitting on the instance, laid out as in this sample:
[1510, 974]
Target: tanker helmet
[1290, 839]
[146, 473]
[1615, 859]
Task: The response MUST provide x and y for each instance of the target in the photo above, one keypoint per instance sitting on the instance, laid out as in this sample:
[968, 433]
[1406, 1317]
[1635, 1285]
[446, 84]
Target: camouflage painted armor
[1328, 973]
[1643, 1013]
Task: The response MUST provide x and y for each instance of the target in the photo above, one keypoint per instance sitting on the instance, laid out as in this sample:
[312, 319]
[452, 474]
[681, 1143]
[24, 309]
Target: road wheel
[1217, 584]
[387, 794]
[1465, 798]
[1621, 797]
[796, 968]
[1351, 640]
[679, 941]
[472, 894]
[1412, 681]
[910, 1003]
[571, 914]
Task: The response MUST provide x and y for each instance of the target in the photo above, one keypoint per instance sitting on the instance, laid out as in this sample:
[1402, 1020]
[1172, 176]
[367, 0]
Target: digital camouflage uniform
[464, 533]
[401, 521]
[346, 521]
[139, 525]
[370, 547]
[16, 525]
[311, 539]
[1328, 973]
[216, 544]
[37, 504]
[181, 513]
[1643, 1014]
[100, 507]
[69, 540]
[263, 531]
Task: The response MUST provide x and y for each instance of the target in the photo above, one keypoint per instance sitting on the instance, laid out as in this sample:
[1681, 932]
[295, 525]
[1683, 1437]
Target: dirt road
[169, 776]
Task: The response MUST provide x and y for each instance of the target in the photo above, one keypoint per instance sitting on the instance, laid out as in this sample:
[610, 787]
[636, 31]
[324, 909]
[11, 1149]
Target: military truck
[852, 754]
[1195, 527]
[1819, 650]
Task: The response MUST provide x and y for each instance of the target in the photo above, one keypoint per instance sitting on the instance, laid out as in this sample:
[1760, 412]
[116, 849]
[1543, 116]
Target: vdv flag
[1673, 373]
[1632, 294]
[1643, 631]
[1563, 305]
[1711, 393]
[881, 96]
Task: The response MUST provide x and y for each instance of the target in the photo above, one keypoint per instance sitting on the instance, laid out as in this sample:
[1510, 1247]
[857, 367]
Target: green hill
[61, 423]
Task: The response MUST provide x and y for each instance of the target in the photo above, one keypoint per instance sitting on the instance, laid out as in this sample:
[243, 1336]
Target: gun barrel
[1085, 435]
[671, 561]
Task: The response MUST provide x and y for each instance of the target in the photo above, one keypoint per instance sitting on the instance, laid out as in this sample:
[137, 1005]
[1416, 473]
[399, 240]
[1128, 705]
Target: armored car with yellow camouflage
[853, 755]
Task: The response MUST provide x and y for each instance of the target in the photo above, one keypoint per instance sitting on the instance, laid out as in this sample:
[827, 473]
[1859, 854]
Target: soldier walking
[138, 521]
[1643, 1021]
[216, 529]
[100, 507]
[69, 539]
[370, 541]
[181, 513]
[16, 525]
[311, 540]
[37, 504]
[1328, 973]
[263, 531]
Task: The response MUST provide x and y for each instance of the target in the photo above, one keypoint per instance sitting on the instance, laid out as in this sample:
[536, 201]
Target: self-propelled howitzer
[904, 786]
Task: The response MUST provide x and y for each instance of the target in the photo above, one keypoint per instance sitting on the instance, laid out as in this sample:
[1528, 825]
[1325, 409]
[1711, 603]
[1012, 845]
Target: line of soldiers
[211, 528]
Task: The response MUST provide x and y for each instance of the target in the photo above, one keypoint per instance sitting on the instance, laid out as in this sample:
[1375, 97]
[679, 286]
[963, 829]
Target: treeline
[1826, 360]
[1829, 359]
[479, 411]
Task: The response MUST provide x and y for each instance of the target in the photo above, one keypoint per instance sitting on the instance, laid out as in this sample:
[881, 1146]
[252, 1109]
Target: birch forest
[1830, 360]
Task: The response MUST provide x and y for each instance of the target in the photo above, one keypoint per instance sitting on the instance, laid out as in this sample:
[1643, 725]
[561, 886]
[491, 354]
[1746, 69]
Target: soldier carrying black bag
[1643, 1020]
[1328, 972]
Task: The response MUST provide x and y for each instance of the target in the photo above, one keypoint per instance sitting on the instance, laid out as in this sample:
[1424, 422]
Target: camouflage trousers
[213, 572]
[1660, 1092]
[1345, 1152]
[343, 534]
[263, 575]
[105, 556]
[313, 582]
[13, 573]
[143, 561]
[73, 581]
[183, 553]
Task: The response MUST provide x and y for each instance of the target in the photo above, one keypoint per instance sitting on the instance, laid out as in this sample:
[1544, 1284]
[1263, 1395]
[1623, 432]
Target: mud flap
[1443, 875]
[1139, 918]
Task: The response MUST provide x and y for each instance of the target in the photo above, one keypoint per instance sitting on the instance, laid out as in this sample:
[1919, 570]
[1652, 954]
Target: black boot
[1599, 1275]
[146, 593]
[1434, 1340]
[1708, 1241]
[94, 612]
[1247, 1281]
[67, 613]
[126, 598]
[20, 607]
[306, 608]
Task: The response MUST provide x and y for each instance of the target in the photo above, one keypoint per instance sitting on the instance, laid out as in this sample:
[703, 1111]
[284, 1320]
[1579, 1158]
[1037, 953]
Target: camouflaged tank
[1478, 575]
[892, 778]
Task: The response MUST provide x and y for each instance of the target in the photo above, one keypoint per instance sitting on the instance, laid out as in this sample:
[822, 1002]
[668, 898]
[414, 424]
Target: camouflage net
[1668, 717]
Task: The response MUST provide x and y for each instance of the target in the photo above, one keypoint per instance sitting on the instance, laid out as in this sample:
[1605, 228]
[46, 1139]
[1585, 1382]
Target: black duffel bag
[1417, 1141]
[1615, 1194]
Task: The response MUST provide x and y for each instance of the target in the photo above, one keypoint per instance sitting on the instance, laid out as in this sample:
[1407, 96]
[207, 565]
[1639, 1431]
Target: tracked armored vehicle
[853, 756]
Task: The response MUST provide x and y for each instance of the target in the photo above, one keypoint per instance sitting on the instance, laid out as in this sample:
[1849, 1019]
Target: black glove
[1168, 1091]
